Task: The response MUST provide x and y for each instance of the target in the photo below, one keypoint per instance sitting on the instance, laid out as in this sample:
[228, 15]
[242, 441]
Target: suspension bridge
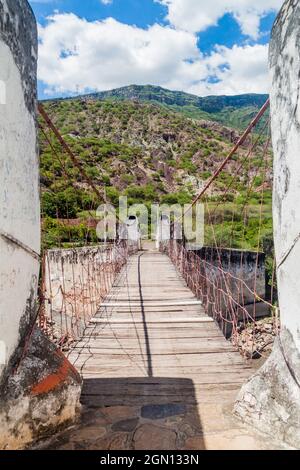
[156, 340]
[155, 333]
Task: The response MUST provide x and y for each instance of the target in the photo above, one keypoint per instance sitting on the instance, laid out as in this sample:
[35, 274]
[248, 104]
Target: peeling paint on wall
[21, 37]
[2, 353]
[2, 92]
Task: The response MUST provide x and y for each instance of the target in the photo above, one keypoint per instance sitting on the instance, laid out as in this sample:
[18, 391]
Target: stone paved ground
[159, 427]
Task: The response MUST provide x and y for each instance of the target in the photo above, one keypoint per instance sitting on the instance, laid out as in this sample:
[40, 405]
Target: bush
[176, 198]
[105, 179]
[113, 195]
[128, 179]
[141, 194]
[56, 234]
[63, 204]
[92, 172]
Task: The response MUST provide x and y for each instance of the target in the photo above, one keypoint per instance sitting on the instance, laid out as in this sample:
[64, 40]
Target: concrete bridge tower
[39, 389]
[271, 399]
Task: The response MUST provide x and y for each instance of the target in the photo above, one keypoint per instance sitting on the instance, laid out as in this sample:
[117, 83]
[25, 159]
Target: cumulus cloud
[77, 55]
[102, 54]
[198, 15]
[241, 69]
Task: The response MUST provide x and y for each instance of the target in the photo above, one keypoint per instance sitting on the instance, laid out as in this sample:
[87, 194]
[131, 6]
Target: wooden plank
[210, 396]
[154, 336]
[138, 303]
[224, 373]
[173, 387]
[174, 391]
[155, 343]
[157, 322]
[205, 358]
[190, 360]
[162, 351]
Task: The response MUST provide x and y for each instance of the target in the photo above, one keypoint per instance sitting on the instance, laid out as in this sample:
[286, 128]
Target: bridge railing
[230, 284]
[234, 274]
[78, 269]
[75, 283]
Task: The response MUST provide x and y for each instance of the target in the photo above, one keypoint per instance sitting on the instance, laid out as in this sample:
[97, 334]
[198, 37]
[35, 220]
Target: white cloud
[101, 55]
[241, 69]
[106, 2]
[198, 15]
[75, 54]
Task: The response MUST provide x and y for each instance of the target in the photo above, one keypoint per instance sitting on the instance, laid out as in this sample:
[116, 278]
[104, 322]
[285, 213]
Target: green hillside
[235, 111]
[151, 155]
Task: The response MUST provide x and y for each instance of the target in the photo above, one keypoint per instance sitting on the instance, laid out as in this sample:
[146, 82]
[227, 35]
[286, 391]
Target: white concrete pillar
[133, 231]
[271, 399]
[285, 112]
[163, 230]
[19, 177]
[32, 404]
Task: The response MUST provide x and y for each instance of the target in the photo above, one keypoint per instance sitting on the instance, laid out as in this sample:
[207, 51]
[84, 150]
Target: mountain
[235, 111]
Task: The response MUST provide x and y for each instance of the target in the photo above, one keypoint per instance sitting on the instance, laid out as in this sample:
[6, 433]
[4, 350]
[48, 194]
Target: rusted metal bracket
[289, 251]
[19, 244]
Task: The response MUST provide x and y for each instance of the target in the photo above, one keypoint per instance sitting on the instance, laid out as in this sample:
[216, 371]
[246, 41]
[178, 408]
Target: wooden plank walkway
[158, 373]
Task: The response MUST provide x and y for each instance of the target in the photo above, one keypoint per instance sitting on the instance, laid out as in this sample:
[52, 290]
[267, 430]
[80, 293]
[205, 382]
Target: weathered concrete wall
[76, 282]
[271, 400]
[246, 272]
[230, 283]
[39, 389]
[40, 396]
[232, 275]
[285, 112]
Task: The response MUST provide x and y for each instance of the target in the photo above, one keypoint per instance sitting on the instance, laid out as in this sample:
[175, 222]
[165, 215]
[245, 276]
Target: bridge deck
[158, 373]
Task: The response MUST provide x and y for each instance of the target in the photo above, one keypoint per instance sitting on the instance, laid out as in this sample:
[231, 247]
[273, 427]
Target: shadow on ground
[135, 414]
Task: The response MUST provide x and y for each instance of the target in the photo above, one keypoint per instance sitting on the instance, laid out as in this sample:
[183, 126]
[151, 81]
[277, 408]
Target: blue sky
[141, 13]
[199, 46]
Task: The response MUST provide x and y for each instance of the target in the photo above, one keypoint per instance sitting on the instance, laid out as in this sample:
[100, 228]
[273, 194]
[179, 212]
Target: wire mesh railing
[78, 270]
[76, 282]
[234, 274]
